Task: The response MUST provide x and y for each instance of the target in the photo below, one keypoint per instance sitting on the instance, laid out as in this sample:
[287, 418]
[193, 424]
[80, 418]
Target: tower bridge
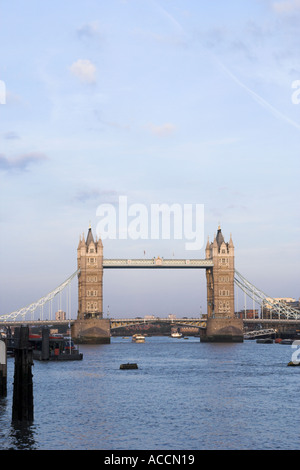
[90, 326]
[219, 266]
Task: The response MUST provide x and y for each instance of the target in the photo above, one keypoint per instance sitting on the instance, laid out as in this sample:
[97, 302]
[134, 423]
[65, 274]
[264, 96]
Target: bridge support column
[91, 331]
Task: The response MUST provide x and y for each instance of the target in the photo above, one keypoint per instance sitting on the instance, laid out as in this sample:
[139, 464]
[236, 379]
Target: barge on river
[48, 347]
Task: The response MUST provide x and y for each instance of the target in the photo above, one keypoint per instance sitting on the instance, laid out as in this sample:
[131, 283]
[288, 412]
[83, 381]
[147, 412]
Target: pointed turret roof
[81, 241]
[89, 237]
[214, 243]
[207, 244]
[219, 237]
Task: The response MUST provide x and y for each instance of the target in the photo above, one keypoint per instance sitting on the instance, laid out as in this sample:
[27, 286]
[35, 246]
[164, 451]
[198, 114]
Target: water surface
[185, 395]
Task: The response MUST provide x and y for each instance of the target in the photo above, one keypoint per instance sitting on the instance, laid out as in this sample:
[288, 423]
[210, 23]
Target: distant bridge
[123, 322]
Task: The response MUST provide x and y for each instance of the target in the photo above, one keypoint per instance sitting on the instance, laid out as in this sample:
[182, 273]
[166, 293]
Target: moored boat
[176, 335]
[265, 340]
[138, 338]
[287, 341]
[129, 366]
[294, 363]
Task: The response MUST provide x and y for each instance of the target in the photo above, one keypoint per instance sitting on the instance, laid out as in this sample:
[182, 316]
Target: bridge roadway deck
[156, 263]
[114, 322]
[118, 322]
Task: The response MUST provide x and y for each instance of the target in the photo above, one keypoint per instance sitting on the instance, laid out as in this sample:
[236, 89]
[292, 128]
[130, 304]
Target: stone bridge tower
[90, 326]
[220, 278]
[90, 277]
[222, 325]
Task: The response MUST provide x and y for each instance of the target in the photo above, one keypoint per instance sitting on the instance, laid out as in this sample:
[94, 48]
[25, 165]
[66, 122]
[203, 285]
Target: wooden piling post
[22, 410]
[45, 344]
[3, 369]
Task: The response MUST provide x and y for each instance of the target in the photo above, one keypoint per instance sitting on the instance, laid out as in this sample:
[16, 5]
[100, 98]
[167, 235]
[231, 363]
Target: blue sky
[163, 101]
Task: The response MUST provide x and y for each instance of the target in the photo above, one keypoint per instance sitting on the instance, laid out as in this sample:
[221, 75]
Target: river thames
[185, 395]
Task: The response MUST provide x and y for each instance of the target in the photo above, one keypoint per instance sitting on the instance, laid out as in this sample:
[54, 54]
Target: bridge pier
[224, 330]
[91, 331]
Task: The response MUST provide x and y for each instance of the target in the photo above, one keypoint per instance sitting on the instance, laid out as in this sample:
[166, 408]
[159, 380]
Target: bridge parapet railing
[157, 263]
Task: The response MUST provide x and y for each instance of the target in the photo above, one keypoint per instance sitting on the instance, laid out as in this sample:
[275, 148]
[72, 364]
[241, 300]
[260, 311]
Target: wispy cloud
[287, 6]
[11, 135]
[162, 130]
[22, 162]
[91, 34]
[85, 70]
[89, 30]
[99, 195]
[13, 98]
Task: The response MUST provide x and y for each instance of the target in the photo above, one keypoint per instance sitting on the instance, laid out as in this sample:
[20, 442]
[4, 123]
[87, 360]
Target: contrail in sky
[170, 18]
[259, 99]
